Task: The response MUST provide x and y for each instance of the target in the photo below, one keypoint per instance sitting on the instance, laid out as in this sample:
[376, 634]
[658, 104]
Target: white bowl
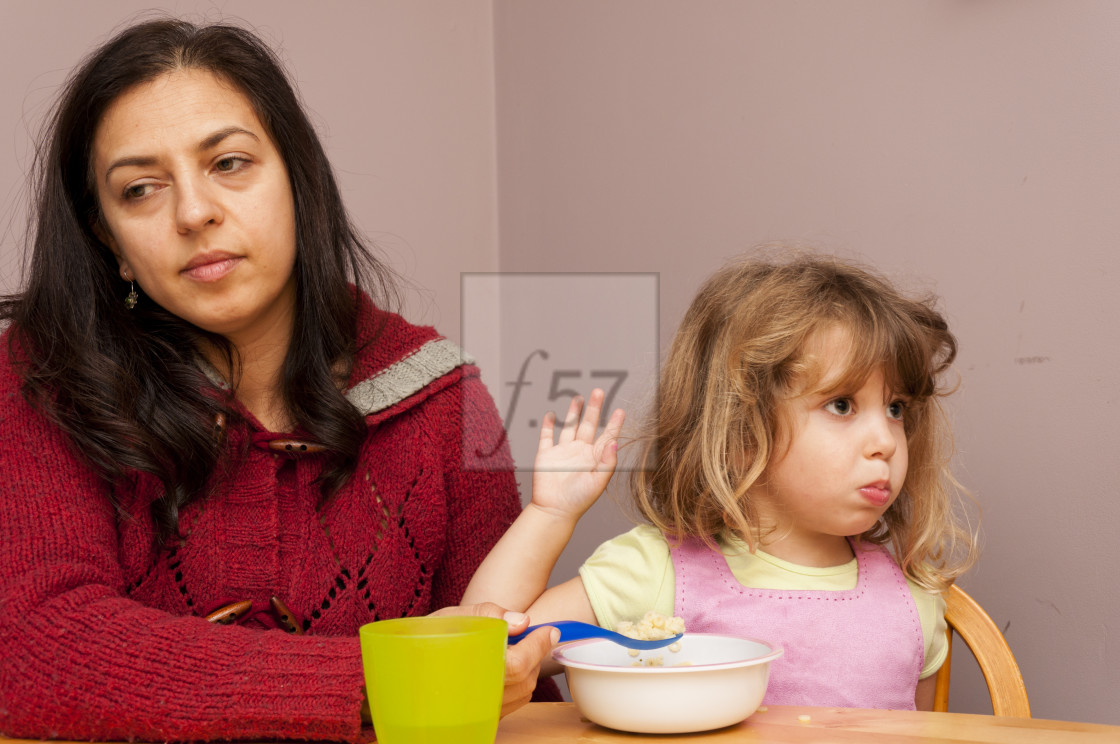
[712, 682]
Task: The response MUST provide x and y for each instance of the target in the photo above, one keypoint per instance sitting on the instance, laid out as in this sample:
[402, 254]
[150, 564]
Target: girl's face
[844, 465]
[197, 207]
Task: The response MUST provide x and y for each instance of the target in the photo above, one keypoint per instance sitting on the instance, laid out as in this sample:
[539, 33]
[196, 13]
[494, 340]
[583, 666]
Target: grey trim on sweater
[407, 376]
[396, 382]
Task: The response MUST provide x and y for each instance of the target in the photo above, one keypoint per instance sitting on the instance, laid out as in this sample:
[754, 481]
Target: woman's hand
[523, 661]
[569, 474]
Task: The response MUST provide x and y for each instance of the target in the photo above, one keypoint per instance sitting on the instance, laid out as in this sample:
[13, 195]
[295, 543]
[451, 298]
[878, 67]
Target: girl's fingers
[580, 423]
[614, 425]
[571, 421]
[609, 457]
[590, 422]
[608, 441]
[548, 426]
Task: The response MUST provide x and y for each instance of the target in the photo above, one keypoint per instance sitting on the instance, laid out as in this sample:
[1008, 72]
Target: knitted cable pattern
[102, 631]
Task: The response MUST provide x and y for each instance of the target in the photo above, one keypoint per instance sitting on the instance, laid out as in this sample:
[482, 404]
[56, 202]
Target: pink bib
[861, 648]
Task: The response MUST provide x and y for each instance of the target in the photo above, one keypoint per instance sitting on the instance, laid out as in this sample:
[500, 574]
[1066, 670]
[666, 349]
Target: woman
[212, 428]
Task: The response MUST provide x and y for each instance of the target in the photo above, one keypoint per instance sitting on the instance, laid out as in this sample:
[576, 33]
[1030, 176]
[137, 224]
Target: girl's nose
[881, 441]
[195, 206]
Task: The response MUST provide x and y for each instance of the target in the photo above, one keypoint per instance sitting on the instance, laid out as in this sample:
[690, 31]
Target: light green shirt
[633, 573]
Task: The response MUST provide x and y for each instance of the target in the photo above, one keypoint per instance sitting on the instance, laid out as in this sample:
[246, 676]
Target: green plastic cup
[435, 679]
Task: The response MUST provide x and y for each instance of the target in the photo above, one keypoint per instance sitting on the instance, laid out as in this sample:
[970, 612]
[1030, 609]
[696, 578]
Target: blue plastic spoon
[573, 630]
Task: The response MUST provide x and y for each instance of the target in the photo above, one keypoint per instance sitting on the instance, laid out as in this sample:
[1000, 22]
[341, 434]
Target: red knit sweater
[102, 634]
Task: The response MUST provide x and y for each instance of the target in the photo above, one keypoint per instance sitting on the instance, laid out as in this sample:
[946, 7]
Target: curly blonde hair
[738, 353]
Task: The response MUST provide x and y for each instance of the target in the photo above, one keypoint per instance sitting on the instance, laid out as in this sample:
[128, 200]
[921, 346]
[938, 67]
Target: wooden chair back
[984, 639]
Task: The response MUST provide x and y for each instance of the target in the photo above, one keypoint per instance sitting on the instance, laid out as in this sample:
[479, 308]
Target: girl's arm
[568, 477]
[567, 601]
[923, 698]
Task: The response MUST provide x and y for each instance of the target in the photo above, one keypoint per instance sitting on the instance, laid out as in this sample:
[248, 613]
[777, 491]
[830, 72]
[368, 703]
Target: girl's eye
[897, 409]
[840, 406]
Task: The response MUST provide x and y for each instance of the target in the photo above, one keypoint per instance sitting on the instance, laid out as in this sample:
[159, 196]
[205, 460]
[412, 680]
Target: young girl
[795, 485]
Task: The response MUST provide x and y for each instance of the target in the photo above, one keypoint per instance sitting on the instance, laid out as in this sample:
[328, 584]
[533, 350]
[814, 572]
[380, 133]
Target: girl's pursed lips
[878, 493]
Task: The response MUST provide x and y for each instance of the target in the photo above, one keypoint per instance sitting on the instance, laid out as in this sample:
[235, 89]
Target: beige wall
[966, 147]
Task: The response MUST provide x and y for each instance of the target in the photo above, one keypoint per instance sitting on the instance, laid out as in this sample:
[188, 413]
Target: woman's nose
[196, 206]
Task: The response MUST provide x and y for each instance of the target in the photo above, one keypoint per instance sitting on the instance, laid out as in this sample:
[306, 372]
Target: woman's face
[197, 207]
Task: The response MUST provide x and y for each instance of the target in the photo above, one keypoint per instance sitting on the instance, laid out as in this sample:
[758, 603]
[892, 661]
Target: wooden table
[551, 723]
[546, 723]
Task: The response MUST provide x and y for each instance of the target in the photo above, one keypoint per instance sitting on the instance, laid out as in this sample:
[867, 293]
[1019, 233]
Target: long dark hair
[127, 386]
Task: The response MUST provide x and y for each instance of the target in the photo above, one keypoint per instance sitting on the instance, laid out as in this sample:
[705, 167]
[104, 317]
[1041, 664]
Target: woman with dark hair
[212, 427]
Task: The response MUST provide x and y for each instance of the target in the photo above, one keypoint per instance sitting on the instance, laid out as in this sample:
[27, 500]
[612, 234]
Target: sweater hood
[399, 365]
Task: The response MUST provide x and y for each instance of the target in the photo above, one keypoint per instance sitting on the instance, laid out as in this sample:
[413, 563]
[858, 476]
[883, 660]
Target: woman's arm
[569, 475]
[80, 660]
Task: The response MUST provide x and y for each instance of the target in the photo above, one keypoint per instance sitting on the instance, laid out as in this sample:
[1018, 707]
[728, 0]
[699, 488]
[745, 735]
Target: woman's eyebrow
[142, 161]
[212, 140]
[216, 138]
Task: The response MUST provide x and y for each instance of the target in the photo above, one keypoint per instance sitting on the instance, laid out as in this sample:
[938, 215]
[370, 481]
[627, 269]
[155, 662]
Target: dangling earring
[130, 300]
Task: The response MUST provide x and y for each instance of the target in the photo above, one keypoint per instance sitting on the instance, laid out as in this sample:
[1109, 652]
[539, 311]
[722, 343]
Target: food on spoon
[653, 627]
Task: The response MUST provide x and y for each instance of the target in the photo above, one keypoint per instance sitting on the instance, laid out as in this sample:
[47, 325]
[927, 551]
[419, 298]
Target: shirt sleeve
[931, 612]
[628, 576]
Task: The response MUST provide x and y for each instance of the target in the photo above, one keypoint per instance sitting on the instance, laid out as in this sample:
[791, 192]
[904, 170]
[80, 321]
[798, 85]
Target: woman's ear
[106, 238]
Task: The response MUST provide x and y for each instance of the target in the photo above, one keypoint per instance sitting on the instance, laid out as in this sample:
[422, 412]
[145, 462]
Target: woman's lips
[879, 494]
[211, 267]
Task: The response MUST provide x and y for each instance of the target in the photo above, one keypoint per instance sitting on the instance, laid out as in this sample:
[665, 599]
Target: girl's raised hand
[571, 472]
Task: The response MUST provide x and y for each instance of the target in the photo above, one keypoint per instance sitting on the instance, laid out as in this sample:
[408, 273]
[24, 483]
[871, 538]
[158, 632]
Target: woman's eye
[230, 164]
[897, 409]
[840, 406]
[138, 191]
